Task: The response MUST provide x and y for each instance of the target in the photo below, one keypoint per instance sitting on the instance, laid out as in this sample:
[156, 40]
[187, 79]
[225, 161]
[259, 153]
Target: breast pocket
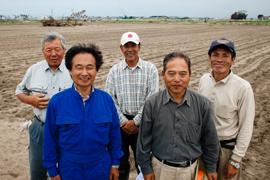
[193, 133]
[64, 86]
[68, 127]
[103, 124]
[39, 88]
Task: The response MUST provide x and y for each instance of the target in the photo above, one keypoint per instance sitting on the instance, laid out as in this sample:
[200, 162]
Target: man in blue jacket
[82, 133]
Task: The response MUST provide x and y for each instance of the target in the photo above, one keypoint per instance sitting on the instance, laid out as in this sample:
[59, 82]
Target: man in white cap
[130, 83]
[233, 105]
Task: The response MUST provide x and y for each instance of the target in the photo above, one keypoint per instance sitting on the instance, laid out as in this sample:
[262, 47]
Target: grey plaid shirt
[130, 88]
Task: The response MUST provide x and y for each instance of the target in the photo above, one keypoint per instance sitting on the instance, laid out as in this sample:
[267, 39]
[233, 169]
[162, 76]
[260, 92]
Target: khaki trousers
[165, 172]
[224, 156]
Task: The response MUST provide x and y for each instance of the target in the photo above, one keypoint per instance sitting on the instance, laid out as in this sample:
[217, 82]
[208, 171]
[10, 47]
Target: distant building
[265, 18]
[41, 17]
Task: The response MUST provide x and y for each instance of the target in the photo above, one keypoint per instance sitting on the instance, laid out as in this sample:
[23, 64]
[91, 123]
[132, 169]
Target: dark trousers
[127, 140]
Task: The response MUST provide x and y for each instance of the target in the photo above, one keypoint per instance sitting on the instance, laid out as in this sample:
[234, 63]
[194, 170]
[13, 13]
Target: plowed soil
[20, 48]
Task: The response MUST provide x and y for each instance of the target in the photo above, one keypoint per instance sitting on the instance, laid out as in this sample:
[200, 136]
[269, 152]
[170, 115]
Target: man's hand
[230, 170]
[129, 127]
[149, 176]
[114, 174]
[56, 177]
[212, 176]
[36, 100]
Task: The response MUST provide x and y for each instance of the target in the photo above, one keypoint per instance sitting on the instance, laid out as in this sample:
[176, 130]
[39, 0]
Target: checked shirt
[130, 87]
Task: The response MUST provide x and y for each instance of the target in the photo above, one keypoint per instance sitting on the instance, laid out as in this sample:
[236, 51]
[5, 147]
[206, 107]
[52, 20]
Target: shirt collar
[225, 80]
[139, 64]
[167, 97]
[83, 98]
[60, 68]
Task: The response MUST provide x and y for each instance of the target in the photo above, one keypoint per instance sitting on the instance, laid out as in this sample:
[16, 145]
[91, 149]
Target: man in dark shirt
[177, 127]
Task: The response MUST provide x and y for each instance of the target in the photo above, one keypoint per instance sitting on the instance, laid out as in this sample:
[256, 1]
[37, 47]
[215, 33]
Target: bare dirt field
[20, 48]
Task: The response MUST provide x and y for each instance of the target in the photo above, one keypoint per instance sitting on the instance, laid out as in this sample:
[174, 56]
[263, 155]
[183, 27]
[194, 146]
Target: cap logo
[130, 36]
[223, 41]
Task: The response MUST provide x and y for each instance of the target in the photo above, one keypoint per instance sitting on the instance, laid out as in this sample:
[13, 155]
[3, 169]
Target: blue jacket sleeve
[50, 147]
[115, 137]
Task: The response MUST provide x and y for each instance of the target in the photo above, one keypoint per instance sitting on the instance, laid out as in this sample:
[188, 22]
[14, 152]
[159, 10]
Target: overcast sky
[180, 8]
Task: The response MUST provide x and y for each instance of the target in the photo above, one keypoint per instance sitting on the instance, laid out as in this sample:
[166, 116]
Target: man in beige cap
[130, 83]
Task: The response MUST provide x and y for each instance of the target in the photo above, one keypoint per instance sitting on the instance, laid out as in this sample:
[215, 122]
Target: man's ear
[163, 74]
[233, 60]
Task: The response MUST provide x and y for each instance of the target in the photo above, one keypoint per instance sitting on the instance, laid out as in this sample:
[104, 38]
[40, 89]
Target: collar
[138, 65]
[60, 68]
[224, 80]
[167, 97]
[83, 98]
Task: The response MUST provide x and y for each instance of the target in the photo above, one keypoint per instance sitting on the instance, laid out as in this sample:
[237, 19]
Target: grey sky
[180, 8]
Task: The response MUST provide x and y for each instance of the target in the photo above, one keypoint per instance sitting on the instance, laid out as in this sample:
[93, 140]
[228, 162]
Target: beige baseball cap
[130, 37]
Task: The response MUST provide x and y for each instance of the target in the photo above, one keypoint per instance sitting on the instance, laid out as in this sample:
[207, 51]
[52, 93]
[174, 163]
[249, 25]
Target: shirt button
[175, 145]
[53, 74]
[53, 87]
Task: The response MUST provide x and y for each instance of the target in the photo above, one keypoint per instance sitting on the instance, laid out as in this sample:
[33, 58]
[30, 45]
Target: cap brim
[125, 42]
[210, 50]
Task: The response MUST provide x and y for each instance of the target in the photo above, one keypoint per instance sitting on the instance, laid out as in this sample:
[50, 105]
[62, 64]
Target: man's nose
[53, 53]
[84, 71]
[177, 78]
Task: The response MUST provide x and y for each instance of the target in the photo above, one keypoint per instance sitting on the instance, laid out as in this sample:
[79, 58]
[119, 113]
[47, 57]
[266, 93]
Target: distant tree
[260, 15]
[79, 15]
[16, 17]
[239, 15]
[24, 16]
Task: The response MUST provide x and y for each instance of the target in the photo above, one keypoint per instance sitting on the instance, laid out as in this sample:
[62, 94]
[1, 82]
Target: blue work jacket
[84, 139]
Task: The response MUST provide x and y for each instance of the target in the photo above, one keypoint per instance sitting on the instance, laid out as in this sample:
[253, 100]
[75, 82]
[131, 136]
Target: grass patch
[19, 22]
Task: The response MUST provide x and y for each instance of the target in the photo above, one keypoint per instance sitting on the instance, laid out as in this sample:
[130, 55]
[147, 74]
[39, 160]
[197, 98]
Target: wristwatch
[236, 165]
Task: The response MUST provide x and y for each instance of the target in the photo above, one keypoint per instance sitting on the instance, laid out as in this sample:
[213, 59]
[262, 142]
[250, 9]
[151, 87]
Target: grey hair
[51, 36]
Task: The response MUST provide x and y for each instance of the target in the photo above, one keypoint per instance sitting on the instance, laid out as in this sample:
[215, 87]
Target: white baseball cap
[130, 37]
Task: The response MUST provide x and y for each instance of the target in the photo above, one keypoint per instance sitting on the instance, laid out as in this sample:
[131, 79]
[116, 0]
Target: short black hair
[174, 55]
[224, 47]
[83, 48]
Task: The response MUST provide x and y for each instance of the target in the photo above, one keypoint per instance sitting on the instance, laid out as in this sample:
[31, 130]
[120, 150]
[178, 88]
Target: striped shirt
[130, 87]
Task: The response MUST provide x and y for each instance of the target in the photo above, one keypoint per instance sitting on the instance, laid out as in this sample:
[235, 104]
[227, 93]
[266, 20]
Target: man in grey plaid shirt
[130, 83]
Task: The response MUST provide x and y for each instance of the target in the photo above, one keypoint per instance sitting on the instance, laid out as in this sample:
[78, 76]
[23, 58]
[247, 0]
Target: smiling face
[53, 53]
[83, 71]
[221, 61]
[131, 51]
[177, 77]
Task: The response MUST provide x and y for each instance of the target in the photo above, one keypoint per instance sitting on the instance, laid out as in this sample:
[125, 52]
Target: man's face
[130, 51]
[83, 70]
[53, 53]
[176, 76]
[221, 61]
